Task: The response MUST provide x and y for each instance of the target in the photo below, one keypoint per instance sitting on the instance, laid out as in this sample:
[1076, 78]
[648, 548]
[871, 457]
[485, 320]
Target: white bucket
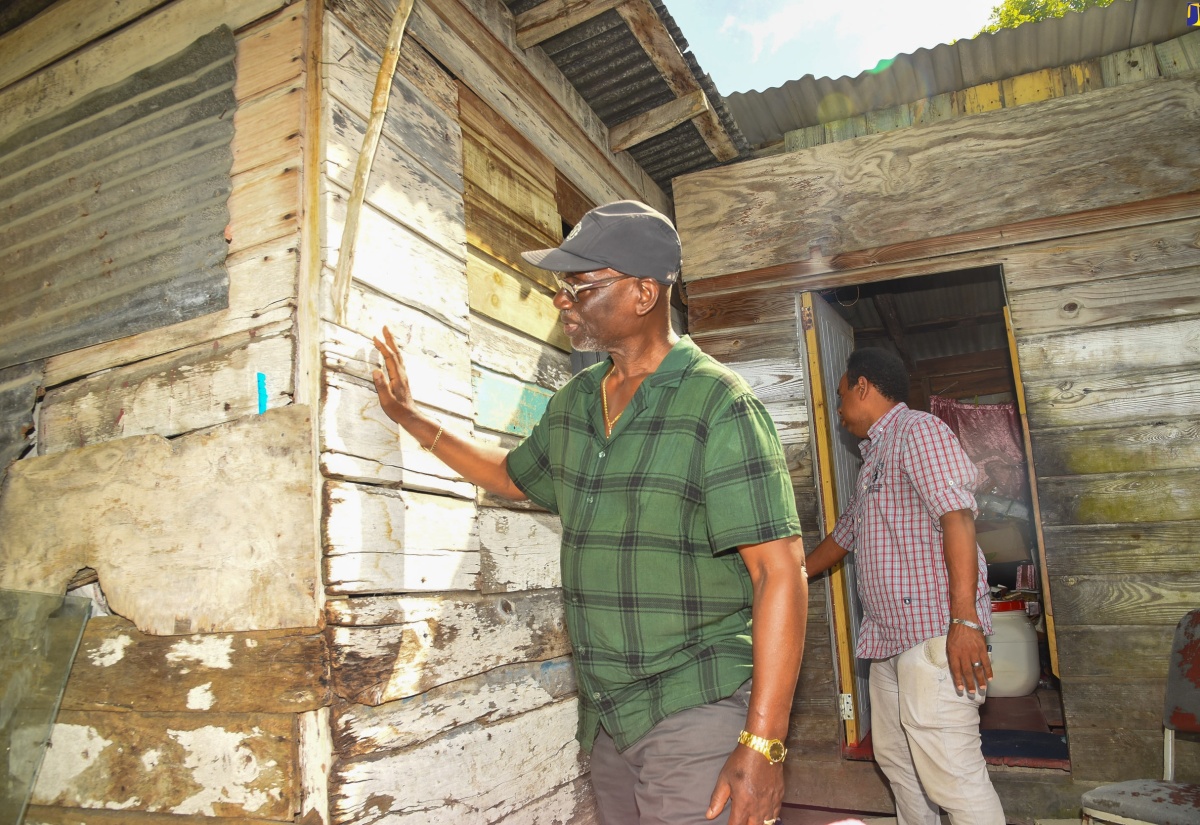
[1014, 651]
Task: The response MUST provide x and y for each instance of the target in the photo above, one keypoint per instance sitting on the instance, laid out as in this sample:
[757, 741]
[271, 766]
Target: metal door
[829, 340]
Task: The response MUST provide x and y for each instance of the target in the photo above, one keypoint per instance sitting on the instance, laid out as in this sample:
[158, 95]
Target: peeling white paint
[73, 749]
[210, 651]
[132, 802]
[223, 767]
[201, 697]
[150, 759]
[252, 643]
[111, 651]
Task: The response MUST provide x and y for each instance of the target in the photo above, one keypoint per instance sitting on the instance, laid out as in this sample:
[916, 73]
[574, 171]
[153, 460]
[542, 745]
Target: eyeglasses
[573, 290]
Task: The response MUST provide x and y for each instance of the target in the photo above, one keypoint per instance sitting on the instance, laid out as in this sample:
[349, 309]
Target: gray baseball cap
[627, 236]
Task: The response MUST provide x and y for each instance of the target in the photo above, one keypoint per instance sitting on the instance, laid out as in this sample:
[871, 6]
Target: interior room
[950, 330]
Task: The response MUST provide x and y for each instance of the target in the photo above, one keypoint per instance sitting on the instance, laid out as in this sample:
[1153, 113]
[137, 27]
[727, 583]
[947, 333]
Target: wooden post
[379, 105]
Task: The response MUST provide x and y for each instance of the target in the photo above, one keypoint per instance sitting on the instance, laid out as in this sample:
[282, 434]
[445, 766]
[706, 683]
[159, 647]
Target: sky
[758, 44]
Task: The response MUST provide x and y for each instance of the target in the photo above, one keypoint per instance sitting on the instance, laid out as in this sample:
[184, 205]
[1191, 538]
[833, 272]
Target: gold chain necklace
[609, 423]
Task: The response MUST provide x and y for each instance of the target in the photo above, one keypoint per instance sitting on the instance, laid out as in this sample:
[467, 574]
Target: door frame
[822, 433]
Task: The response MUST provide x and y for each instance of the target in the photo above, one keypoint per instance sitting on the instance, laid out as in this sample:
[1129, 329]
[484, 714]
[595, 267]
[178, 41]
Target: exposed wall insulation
[113, 212]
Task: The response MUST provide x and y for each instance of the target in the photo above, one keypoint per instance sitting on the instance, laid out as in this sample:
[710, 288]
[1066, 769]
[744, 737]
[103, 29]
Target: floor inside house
[1017, 731]
[1025, 731]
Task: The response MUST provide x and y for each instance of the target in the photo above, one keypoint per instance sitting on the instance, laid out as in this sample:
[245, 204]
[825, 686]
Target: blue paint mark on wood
[504, 404]
[262, 393]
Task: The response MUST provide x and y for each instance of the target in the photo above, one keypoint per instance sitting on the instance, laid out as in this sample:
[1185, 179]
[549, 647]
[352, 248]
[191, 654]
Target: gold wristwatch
[773, 749]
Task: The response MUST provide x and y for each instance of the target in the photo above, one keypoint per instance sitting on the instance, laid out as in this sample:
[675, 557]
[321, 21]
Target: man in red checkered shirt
[922, 581]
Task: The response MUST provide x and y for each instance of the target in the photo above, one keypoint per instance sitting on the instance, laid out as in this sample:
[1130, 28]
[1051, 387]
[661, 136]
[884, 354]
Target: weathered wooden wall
[1108, 333]
[1100, 274]
[445, 617]
[214, 528]
[193, 726]
[892, 191]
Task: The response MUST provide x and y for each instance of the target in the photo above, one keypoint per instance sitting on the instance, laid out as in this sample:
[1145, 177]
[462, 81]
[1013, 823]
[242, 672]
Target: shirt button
[596, 695]
[602, 454]
[591, 499]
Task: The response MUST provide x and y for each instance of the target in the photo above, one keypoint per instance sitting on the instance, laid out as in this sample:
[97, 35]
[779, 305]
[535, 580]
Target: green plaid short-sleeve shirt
[656, 594]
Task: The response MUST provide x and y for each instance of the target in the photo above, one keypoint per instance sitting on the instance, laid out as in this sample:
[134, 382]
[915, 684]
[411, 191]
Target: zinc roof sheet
[764, 117]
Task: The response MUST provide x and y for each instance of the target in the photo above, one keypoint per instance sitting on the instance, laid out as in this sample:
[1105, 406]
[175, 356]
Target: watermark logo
[1193, 16]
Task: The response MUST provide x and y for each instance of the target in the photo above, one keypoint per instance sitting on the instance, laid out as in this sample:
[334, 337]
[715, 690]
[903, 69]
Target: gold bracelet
[436, 439]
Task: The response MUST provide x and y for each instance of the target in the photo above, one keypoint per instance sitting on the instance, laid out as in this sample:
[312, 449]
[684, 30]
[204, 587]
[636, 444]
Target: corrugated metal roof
[952, 313]
[611, 70]
[764, 117]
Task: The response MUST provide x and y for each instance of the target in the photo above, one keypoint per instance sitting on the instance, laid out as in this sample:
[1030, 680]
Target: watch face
[776, 751]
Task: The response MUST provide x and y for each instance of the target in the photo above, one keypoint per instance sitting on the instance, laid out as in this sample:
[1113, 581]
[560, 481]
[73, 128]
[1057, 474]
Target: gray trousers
[667, 777]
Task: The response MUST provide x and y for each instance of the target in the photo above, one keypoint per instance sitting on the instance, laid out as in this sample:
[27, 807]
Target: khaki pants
[667, 777]
[926, 740]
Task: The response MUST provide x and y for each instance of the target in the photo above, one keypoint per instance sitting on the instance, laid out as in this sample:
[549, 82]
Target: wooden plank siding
[1079, 148]
[1101, 288]
[187, 726]
[1111, 366]
[445, 621]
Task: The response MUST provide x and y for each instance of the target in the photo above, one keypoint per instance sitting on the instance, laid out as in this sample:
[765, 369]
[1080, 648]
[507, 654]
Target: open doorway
[950, 330]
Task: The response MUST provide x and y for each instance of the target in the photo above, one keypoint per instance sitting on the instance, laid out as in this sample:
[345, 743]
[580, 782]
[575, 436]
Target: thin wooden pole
[366, 158]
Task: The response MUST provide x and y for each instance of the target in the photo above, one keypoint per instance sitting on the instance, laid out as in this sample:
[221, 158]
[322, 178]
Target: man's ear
[649, 293]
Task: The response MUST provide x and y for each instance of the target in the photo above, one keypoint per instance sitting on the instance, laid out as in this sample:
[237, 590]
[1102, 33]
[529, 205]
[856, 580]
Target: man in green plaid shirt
[680, 533]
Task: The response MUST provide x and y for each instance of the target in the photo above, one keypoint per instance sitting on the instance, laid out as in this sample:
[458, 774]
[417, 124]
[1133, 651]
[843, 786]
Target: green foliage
[1012, 13]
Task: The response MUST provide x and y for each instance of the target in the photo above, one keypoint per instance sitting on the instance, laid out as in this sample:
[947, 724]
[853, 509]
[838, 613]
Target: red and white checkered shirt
[914, 471]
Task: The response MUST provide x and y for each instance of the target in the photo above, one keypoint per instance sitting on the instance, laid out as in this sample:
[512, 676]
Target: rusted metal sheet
[113, 212]
[1181, 710]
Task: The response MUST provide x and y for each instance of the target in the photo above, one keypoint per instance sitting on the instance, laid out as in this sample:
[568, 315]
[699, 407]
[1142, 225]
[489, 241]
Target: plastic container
[1014, 650]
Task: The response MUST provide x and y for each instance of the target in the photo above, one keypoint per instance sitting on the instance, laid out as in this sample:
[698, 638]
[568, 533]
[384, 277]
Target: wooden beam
[366, 158]
[662, 50]
[656, 121]
[988, 247]
[557, 16]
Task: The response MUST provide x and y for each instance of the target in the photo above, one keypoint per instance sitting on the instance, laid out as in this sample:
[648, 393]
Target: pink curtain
[991, 436]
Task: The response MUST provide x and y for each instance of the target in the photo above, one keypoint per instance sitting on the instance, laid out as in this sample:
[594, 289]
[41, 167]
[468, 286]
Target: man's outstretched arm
[481, 465]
